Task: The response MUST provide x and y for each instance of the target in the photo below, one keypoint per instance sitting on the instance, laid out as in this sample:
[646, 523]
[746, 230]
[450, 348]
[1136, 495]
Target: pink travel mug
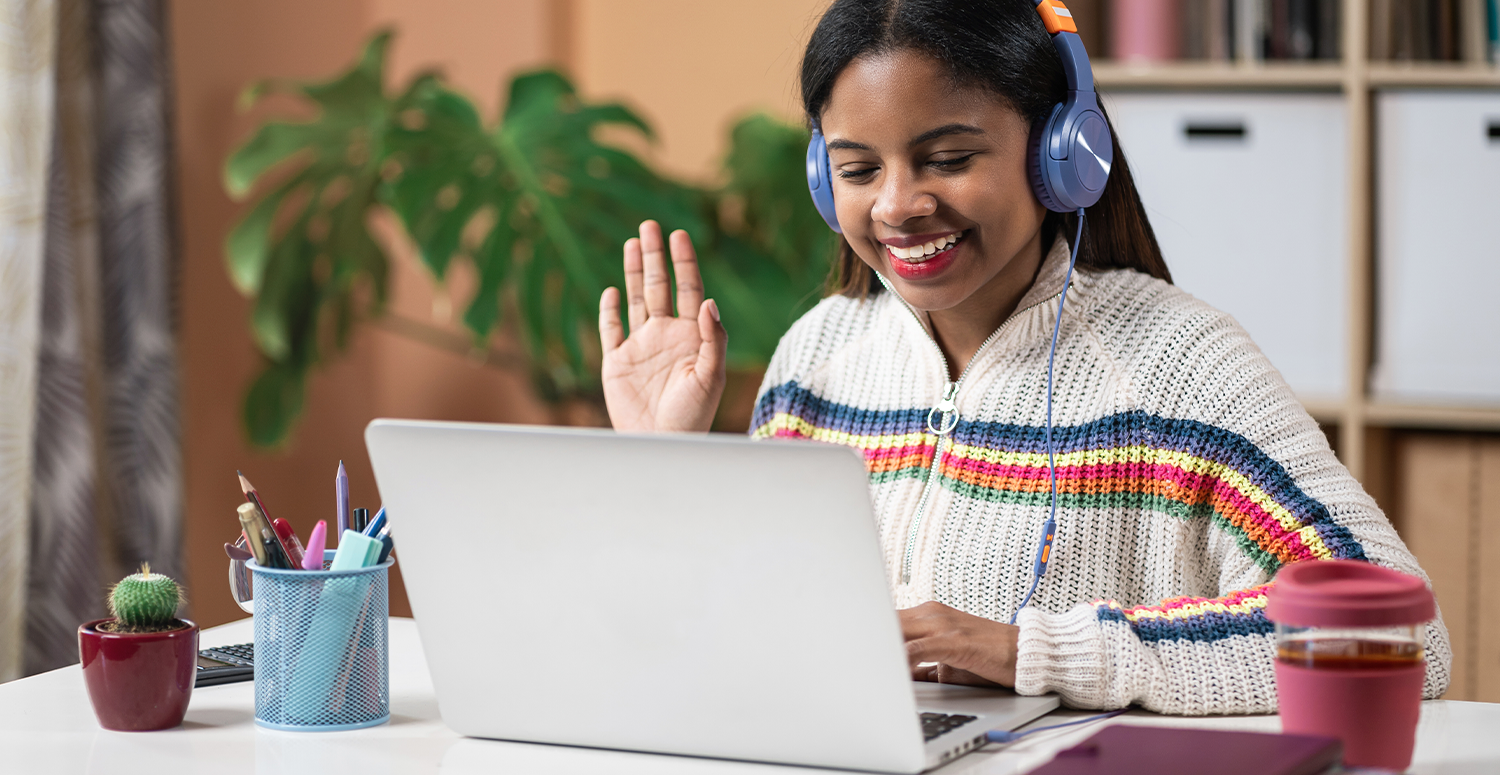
[1349, 661]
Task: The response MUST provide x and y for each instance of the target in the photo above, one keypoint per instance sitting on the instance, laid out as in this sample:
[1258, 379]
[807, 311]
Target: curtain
[98, 482]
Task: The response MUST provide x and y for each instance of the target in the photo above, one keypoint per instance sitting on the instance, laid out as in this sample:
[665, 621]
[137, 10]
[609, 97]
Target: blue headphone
[1070, 152]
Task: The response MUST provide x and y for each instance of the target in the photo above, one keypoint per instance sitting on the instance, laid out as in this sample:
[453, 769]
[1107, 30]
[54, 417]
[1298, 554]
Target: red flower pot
[139, 681]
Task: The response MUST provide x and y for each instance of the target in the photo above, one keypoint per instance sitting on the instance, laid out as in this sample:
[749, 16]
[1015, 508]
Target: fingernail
[713, 309]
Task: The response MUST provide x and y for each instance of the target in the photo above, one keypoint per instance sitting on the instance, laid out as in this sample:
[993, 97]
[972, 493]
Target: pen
[341, 499]
[357, 520]
[312, 559]
[264, 535]
[289, 541]
[257, 549]
[376, 524]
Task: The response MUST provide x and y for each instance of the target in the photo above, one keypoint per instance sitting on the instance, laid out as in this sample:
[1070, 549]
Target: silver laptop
[697, 595]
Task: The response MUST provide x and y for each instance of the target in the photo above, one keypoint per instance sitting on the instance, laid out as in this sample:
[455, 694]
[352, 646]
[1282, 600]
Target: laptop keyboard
[934, 724]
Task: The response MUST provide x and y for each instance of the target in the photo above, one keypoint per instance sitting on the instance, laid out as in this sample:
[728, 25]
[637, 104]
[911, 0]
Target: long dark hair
[1002, 47]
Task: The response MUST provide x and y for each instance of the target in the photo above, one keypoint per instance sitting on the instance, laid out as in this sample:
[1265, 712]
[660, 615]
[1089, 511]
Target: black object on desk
[226, 665]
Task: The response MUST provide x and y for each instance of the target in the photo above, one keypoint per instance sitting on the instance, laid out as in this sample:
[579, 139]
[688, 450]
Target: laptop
[697, 595]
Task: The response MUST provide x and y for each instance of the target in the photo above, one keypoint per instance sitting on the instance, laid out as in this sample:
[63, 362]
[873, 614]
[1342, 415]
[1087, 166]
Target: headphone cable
[1049, 530]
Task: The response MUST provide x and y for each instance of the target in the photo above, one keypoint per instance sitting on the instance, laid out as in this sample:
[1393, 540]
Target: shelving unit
[1356, 77]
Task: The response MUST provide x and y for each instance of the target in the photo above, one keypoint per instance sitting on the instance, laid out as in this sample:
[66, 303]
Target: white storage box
[1438, 247]
[1247, 193]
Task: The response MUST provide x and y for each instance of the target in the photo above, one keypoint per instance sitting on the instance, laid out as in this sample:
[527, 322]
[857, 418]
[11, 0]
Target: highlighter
[313, 558]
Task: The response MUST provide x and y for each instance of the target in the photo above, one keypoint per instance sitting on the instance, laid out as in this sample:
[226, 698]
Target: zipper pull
[948, 407]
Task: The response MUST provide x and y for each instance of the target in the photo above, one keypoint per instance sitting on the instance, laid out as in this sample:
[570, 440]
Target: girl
[1187, 472]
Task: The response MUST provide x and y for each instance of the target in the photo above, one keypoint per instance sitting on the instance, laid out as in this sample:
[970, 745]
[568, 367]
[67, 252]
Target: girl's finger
[611, 331]
[715, 341]
[685, 267]
[635, 298]
[658, 286]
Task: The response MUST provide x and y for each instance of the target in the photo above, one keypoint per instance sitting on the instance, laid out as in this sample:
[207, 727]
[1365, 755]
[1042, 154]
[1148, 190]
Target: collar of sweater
[1047, 285]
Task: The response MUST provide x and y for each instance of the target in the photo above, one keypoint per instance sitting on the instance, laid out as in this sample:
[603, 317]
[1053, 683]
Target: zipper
[946, 408]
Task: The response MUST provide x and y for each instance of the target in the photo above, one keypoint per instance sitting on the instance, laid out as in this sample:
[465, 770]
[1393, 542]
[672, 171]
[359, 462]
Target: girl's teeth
[920, 252]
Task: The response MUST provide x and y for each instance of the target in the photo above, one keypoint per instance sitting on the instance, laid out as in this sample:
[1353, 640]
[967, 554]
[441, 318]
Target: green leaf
[248, 247]
[272, 145]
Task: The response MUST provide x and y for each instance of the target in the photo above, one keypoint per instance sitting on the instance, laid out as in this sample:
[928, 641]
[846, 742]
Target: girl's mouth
[926, 260]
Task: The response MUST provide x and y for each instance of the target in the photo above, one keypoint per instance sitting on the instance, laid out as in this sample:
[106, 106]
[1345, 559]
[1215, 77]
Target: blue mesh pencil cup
[322, 648]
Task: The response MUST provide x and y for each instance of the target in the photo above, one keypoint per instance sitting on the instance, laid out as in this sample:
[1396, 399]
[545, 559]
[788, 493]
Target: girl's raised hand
[668, 375]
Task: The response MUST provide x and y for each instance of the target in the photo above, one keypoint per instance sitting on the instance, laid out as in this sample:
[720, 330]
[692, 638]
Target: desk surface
[47, 725]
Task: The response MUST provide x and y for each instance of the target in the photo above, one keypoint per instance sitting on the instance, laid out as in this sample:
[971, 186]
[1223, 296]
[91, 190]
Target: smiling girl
[1187, 473]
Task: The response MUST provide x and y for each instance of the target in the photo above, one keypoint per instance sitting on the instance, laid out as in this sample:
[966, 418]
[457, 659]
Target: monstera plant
[538, 204]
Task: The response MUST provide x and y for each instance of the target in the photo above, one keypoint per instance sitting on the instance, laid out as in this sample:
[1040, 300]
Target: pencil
[251, 493]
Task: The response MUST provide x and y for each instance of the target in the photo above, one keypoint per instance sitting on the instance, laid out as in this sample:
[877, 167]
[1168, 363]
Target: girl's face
[930, 184]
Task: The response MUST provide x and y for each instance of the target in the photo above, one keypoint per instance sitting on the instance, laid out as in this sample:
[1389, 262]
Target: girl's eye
[953, 163]
[856, 174]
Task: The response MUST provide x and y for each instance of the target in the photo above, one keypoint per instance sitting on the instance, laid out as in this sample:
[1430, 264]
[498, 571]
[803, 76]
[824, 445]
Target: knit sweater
[1187, 474]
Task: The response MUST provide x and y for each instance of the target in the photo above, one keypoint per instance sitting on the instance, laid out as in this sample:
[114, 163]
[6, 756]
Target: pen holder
[321, 648]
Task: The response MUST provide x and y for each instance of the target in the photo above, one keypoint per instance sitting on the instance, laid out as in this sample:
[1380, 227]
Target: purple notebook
[1136, 750]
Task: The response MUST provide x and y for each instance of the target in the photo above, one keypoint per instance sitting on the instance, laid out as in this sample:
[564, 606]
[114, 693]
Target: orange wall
[218, 48]
[693, 67]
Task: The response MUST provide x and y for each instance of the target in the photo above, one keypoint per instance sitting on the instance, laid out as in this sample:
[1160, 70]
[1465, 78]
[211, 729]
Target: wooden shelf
[1302, 75]
[1432, 74]
[1433, 416]
[1206, 75]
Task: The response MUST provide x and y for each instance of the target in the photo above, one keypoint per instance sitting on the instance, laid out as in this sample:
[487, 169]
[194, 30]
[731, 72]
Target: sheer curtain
[91, 460]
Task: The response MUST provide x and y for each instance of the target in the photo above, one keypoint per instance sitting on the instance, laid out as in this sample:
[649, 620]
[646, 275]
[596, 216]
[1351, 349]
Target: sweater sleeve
[1261, 470]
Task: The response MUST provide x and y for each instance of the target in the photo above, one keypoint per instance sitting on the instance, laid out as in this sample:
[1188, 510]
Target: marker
[312, 559]
[341, 499]
[357, 520]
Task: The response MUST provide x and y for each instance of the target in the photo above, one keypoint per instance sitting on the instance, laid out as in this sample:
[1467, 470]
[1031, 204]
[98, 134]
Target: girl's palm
[668, 374]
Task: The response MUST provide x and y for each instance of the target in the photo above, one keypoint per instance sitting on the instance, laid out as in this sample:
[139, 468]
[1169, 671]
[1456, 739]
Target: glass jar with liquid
[1350, 656]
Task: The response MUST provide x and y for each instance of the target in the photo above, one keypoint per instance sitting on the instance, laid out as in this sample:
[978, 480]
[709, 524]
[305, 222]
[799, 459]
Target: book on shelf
[1226, 30]
[1426, 30]
[1494, 30]
[1247, 31]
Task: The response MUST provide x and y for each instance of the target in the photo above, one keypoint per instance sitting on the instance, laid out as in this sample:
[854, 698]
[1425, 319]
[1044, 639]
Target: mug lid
[1347, 593]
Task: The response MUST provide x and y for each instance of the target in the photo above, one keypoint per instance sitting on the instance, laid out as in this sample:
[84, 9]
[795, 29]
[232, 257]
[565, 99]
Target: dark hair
[1000, 46]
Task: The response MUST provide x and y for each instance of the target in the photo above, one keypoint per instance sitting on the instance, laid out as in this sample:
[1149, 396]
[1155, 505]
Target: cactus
[145, 601]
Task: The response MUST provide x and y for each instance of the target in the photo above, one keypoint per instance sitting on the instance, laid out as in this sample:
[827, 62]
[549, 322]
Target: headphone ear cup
[820, 180]
[1034, 151]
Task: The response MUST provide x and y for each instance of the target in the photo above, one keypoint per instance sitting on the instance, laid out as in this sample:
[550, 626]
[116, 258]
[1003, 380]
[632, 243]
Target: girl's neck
[960, 330]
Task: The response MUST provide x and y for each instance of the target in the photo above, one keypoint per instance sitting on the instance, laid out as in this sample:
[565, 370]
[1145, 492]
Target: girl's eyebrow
[945, 130]
[929, 135]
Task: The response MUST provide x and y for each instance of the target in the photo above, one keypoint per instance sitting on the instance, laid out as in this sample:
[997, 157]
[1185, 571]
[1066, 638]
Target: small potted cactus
[140, 664]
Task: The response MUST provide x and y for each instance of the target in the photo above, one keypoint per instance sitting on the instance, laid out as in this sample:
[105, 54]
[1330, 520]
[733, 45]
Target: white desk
[48, 726]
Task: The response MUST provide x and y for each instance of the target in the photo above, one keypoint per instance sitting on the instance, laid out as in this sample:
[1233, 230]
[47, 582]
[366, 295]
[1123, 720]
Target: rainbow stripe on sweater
[1132, 459]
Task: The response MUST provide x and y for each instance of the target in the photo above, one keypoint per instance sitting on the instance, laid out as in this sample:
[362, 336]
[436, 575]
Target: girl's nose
[902, 198]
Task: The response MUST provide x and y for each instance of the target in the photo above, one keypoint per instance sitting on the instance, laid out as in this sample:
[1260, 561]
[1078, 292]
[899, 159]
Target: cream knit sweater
[1188, 474]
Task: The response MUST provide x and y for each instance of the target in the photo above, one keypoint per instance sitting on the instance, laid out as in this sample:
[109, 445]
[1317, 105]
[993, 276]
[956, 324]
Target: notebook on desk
[568, 590]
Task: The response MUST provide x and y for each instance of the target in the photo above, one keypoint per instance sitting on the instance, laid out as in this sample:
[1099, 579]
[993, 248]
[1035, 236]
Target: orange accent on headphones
[1056, 16]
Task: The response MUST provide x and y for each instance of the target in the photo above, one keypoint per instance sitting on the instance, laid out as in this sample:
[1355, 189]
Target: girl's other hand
[668, 375]
[946, 645]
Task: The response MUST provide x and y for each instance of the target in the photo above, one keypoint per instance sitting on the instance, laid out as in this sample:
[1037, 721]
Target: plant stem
[453, 342]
